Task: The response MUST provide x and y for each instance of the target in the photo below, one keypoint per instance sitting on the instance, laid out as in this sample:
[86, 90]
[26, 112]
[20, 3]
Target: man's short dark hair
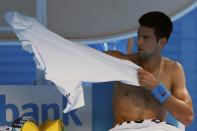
[159, 21]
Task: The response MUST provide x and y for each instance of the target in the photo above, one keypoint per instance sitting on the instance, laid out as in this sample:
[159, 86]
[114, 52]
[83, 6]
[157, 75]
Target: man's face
[147, 42]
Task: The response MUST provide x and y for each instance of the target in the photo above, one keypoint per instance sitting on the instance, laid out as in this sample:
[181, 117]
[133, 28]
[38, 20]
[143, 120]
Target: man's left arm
[179, 103]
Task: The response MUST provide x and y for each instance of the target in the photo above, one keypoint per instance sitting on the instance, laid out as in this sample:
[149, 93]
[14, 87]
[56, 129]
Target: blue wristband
[161, 93]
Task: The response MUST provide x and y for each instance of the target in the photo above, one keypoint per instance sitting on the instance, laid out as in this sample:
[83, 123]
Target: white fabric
[5, 128]
[68, 64]
[146, 125]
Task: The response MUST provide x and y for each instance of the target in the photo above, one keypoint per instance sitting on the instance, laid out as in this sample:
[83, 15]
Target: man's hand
[147, 80]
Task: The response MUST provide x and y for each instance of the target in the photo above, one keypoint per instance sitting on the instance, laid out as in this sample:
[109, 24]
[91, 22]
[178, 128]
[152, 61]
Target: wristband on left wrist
[161, 93]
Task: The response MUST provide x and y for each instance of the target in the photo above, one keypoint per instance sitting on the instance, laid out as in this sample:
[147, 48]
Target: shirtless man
[162, 81]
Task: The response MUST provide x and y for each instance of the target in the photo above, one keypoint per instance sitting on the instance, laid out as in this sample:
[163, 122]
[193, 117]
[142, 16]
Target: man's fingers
[140, 70]
[140, 73]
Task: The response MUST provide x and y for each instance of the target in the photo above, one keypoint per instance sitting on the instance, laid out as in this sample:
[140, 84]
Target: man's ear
[162, 42]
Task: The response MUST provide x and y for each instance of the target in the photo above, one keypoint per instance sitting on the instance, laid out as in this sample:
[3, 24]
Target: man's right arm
[116, 54]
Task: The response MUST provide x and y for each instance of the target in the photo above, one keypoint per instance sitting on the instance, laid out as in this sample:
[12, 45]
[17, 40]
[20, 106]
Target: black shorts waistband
[141, 121]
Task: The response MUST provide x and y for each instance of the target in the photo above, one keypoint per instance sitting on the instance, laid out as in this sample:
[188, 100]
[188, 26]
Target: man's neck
[151, 63]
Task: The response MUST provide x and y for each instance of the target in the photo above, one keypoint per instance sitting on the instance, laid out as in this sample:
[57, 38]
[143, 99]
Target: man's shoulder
[172, 65]
[114, 53]
[118, 54]
[133, 57]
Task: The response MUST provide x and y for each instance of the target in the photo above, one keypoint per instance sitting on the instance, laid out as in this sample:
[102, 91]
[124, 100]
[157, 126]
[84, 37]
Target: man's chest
[166, 78]
[137, 95]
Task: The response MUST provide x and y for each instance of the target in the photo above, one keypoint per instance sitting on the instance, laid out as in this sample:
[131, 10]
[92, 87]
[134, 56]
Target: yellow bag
[56, 125]
[29, 126]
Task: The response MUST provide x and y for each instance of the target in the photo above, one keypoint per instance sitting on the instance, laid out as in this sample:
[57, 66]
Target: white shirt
[68, 64]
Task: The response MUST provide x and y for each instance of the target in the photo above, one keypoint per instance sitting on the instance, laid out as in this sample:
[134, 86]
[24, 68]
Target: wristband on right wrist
[161, 93]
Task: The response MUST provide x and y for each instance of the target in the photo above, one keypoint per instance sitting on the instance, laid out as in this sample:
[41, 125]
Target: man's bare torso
[137, 103]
